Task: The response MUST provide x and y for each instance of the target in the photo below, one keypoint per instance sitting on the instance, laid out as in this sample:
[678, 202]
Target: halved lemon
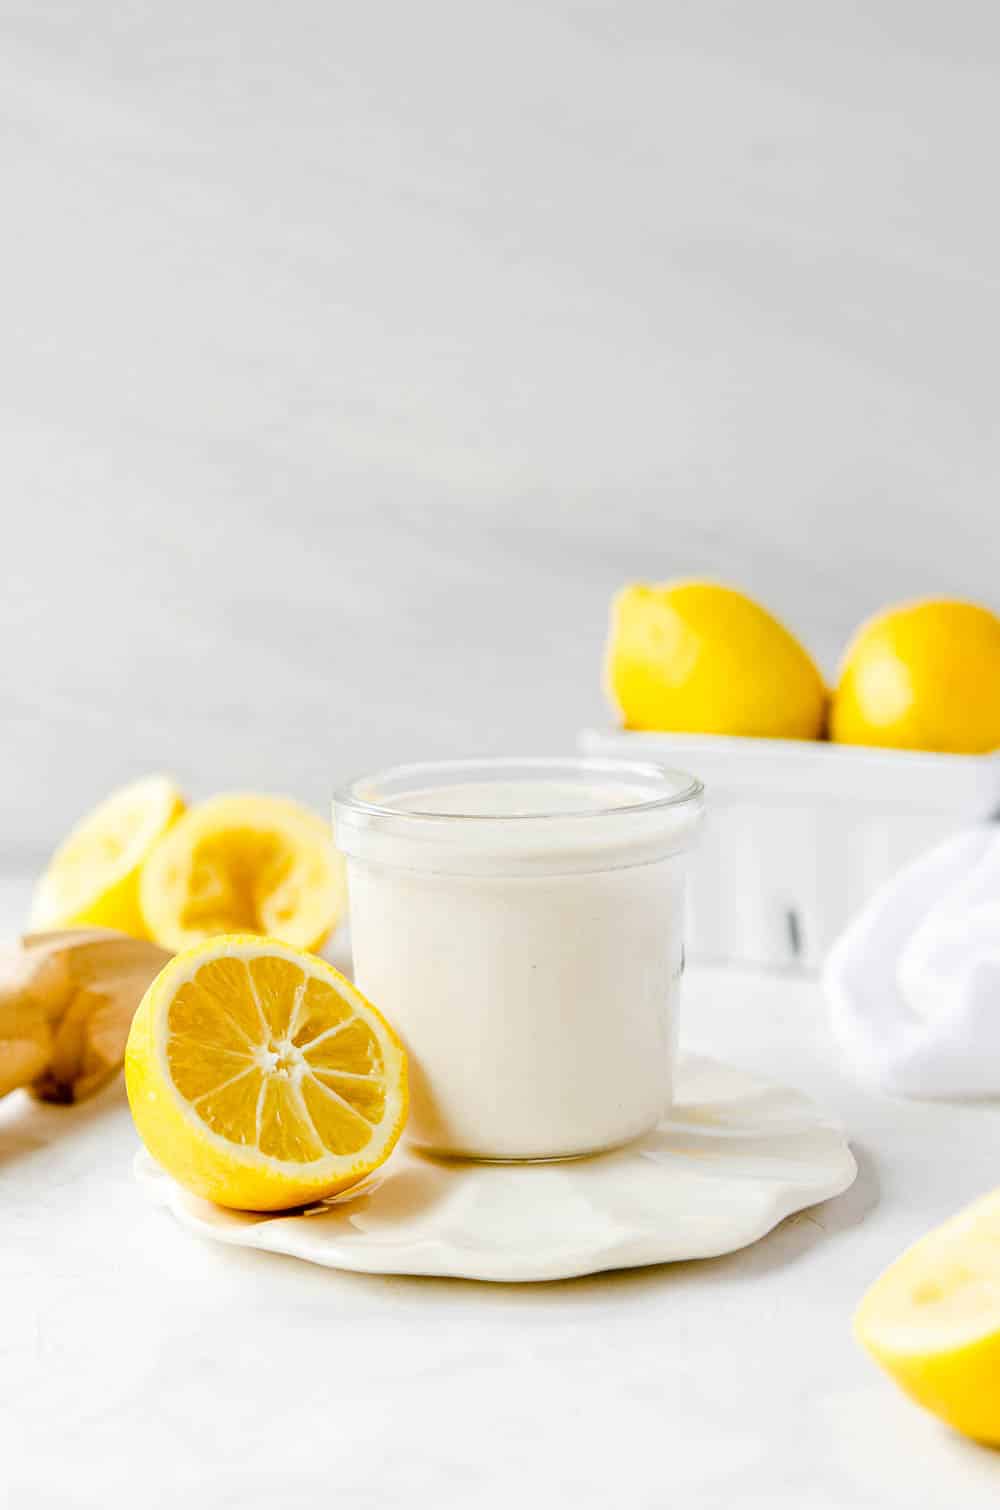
[260, 1078]
[932, 1320]
[93, 877]
[244, 863]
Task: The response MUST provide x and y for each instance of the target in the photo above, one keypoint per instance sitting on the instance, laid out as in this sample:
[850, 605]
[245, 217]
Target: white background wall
[352, 354]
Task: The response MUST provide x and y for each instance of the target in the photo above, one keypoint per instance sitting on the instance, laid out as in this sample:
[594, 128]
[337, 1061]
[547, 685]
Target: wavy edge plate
[735, 1156]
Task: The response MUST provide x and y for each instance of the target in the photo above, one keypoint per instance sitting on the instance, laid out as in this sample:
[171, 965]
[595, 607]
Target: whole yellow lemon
[702, 658]
[922, 676]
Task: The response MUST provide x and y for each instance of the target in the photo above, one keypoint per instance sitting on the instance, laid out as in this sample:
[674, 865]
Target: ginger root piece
[66, 1003]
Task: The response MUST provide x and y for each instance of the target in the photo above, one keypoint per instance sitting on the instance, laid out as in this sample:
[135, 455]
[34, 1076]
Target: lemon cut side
[244, 863]
[260, 1078]
[92, 879]
[932, 1321]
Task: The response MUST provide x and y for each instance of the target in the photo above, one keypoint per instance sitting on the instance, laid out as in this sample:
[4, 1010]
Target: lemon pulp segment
[261, 1078]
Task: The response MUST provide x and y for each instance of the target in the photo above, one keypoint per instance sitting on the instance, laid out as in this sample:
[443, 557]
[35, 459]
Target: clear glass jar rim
[680, 787]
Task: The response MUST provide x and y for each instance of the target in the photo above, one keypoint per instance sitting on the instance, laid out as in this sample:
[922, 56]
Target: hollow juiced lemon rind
[242, 863]
[92, 879]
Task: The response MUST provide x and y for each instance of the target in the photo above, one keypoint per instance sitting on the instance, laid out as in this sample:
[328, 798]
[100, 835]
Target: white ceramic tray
[735, 1157]
[800, 834]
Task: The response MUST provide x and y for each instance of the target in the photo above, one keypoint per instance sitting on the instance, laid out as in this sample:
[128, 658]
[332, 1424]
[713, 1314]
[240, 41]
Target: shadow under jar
[520, 922]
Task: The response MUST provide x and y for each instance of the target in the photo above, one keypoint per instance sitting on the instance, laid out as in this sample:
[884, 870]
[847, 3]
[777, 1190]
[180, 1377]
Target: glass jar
[520, 922]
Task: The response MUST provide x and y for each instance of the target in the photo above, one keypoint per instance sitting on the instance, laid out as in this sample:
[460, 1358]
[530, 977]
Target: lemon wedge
[932, 1320]
[260, 1078]
[92, 879]
[244, 863]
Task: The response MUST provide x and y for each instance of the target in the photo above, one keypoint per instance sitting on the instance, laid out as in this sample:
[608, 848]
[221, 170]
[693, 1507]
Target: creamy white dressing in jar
[520, 922]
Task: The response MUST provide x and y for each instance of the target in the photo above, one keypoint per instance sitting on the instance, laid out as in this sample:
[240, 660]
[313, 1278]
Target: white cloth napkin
[914, 982]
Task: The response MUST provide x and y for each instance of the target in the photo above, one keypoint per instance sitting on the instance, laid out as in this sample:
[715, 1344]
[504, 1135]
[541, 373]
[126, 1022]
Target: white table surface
[142, 1365]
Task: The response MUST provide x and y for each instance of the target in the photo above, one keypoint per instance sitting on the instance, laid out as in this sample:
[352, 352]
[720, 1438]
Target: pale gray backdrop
[352, 354]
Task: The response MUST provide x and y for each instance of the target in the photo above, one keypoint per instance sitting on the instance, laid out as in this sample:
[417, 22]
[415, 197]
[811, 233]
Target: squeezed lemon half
[92, 879]
[244, 863]
[260, 1078]
[932, 1320]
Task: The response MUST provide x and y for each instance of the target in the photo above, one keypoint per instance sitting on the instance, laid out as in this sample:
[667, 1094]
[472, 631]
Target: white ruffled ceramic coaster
[734, 1158]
